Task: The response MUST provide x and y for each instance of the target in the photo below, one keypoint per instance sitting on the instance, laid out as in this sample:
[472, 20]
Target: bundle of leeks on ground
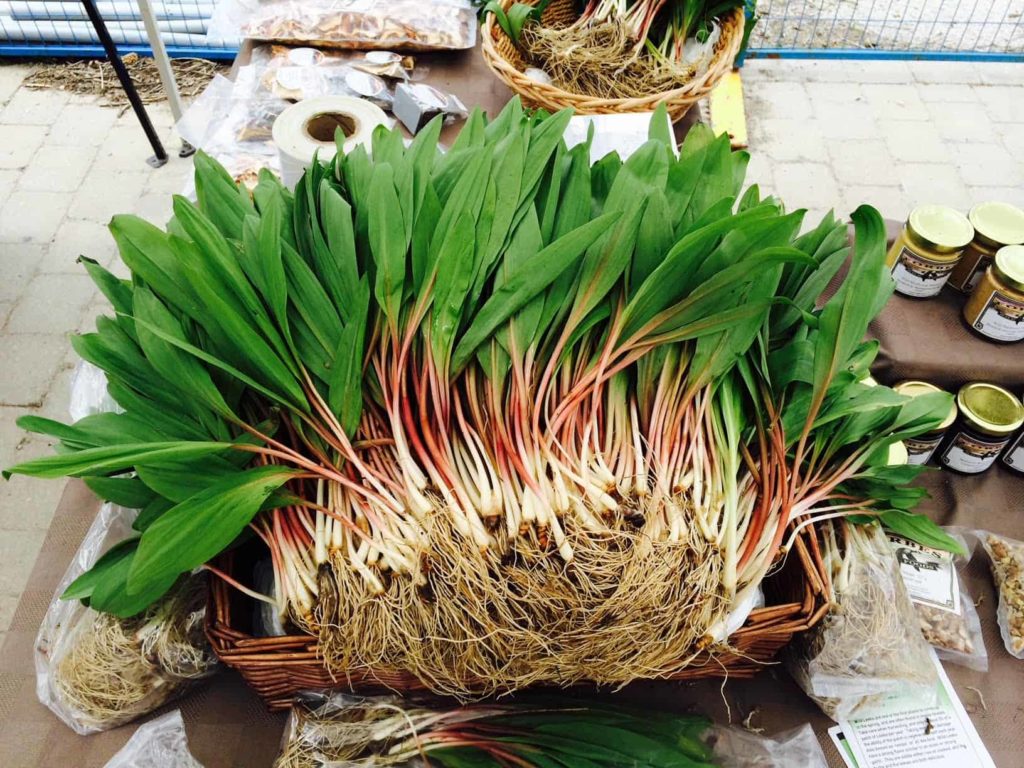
[534, 733]
[501, 416]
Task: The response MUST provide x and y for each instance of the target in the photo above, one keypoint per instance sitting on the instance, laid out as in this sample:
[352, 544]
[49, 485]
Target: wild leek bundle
[534, 733]
[619, 48]
[499, 415]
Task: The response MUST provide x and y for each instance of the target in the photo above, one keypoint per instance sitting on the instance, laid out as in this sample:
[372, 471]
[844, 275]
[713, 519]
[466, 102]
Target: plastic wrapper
[160, 743]
[408, 25]
[96, 671]
[89, 392]
[796, 748]
[1006, 557]
[949, 621]
[869, 646]
[380, 63]
[232, 123]
[416, 104]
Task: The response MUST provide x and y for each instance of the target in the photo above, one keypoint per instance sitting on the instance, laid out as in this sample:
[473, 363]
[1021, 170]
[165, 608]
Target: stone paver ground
[822, 135]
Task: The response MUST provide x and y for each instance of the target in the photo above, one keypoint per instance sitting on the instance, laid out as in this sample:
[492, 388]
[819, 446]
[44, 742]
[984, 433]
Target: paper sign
[929, 574]
[907, 735]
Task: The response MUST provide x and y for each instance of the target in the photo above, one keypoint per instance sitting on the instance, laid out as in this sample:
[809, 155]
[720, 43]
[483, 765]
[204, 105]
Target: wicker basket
[507, 63]
[278, 668]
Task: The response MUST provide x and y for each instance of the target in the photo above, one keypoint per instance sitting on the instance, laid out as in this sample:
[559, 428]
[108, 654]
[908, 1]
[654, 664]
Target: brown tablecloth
[228, 726]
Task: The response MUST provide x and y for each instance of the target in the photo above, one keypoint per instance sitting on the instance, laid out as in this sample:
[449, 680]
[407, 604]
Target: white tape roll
[308, 128]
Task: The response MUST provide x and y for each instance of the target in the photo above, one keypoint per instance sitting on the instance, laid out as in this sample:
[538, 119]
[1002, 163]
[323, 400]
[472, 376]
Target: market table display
[229, 726]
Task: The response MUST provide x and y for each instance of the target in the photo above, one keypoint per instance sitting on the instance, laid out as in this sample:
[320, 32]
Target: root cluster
[481, 623]
[111, 670]
[601, 60]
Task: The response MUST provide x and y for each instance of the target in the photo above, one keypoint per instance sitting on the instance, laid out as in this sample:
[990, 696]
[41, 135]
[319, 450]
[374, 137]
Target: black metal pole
[160, 154]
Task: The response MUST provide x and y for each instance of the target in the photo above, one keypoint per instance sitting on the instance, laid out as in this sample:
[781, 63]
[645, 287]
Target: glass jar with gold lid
[1014, 455]
[995, 225]
[995, 308]
[921, 448]
[927, 249]
[988, 417]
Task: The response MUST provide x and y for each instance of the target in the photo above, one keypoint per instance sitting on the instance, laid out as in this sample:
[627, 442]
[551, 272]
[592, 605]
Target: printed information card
[908, 735]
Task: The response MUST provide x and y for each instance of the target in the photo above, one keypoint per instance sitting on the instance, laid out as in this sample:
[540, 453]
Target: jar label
[968, 452]
[1002, 318]
[920, 449]
[1014, 456]
[919, 276]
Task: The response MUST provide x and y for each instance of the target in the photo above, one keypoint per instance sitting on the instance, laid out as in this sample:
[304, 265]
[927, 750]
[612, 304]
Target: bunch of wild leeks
[500, 415]
[619, 48]
[532, 733]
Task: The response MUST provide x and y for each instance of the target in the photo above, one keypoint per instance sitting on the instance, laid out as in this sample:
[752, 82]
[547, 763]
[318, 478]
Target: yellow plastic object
[726, 108]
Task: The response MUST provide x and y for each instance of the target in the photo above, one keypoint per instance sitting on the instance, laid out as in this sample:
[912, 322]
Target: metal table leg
[159, 153]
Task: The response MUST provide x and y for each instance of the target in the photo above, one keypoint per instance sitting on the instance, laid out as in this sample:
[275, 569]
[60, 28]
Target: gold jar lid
[990, 409]
[898, 454]
[997, 224]
[1008, 266]
[915, 388]
[940, 228]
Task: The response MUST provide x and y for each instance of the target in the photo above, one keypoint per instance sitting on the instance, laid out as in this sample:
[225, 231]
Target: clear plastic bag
[96, 671]
[1006, 557]
[89, 392]
[410, 25]
[160, 743]
[869, 646]
[949, 621]
[796, 748]
[232, 123]
[381, 63]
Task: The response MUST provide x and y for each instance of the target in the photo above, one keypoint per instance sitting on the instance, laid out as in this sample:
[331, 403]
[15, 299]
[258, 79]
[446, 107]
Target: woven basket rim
[728, 47]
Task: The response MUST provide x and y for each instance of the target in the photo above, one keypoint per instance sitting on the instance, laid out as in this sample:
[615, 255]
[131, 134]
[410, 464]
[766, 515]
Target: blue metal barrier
[61, 28]
[952, 30]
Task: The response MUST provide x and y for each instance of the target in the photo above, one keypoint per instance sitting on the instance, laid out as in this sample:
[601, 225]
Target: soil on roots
[626, 607]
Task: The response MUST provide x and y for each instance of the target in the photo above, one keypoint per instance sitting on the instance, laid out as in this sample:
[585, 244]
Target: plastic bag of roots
[96, 671]
[945, 609]
[869, 645]
[1006, 557]
[351, 732]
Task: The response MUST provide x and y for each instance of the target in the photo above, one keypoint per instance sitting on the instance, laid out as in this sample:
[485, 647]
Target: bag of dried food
[869, 646]
[405, 25]
[945, 609]
[1006, 557]
[96, 671]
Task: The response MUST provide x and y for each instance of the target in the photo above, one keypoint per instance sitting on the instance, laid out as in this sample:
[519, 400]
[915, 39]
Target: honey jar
[1013, 457]
[927, 249]
[988, 417]
[995, 308]
[921, 448]
[995, 225]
